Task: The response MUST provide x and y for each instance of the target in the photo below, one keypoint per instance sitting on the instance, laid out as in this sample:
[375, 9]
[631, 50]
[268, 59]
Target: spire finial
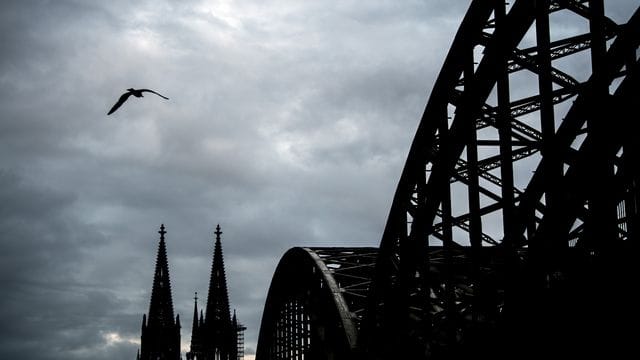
[162, 232]
[196, 297]
[218, 232]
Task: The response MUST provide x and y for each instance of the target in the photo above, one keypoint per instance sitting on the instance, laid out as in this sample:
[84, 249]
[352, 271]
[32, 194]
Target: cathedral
[216, 335]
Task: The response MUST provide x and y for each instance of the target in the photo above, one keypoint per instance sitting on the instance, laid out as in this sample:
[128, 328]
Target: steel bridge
[514, 227]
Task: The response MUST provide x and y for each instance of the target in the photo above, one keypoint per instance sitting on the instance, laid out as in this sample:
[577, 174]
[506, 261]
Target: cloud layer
[288, 124]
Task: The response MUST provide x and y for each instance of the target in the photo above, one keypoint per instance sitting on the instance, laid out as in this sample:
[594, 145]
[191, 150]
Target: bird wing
[121, 101]
[151, 91]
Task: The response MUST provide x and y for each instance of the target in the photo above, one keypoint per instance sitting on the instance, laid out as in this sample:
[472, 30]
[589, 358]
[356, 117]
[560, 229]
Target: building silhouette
[160, 331]
[216, 335]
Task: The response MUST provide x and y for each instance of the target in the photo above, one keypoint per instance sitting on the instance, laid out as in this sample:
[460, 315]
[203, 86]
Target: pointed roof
[217, 309]
[194, 326]
[161, 307]
[234, 319]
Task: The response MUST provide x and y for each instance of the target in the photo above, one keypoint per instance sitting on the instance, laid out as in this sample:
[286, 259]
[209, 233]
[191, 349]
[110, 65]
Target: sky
[288, 123]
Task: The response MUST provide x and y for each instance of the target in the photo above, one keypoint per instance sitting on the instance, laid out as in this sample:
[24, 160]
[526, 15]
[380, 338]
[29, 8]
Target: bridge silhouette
[514, 227]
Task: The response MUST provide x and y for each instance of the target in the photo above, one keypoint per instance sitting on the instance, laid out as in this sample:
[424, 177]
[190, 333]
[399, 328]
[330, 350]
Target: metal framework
[316, 303]
[239, 339]
[514, 223]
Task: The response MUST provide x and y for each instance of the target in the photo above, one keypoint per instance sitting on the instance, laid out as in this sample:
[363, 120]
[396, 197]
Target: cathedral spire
[161, 307]
[217, 309]
[215, 336]
[234, 319]
[194, 326]
[161, 330]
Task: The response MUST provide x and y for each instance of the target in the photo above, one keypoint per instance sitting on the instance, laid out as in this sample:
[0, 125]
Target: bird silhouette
[134, 92]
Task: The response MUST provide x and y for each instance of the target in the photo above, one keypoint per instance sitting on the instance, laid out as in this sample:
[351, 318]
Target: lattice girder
[484, 163]
[315, 304]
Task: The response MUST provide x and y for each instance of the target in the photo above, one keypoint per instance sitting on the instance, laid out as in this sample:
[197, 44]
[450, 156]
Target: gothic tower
[215, 337]
[160, 331]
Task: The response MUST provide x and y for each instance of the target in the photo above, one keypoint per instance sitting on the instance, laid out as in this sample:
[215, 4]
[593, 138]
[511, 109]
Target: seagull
[134, 92]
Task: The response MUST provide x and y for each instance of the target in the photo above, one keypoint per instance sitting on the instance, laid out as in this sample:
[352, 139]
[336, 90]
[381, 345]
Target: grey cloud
[288, 123]
[47, 307]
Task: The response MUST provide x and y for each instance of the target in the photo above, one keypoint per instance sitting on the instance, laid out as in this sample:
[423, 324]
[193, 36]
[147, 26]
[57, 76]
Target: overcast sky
[288, 124]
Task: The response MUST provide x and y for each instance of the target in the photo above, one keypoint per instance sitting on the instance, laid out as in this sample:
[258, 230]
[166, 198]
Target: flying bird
[134, 92]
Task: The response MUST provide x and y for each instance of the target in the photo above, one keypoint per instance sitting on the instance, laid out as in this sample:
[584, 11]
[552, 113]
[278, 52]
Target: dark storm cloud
[288, 123]
[50, 309]
[270, 131]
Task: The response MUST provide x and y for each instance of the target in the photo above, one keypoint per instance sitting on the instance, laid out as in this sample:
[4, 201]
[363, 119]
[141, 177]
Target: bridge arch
[516, 214]
[315, 304]
[523, 157]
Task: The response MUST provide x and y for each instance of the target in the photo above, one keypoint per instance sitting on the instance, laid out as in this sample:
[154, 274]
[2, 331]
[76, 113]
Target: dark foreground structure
[513, 232]
[161, 331]
[215, 335]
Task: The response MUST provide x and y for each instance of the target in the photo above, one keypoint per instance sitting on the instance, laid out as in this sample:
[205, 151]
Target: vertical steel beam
[546, 251]
[504, 123]
[421, 253]
[300, 329]
[602, 227]
[447, 233]
[475, 219]
[287, 327]
[276, 337]
[307, 331]
[631, 159]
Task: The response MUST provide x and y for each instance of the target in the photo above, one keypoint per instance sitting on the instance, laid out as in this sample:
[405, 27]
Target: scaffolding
[240, 340]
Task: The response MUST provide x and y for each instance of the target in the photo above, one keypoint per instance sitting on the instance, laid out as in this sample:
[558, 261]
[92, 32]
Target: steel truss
[551, 185]
[315, 304]
[514, 225]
